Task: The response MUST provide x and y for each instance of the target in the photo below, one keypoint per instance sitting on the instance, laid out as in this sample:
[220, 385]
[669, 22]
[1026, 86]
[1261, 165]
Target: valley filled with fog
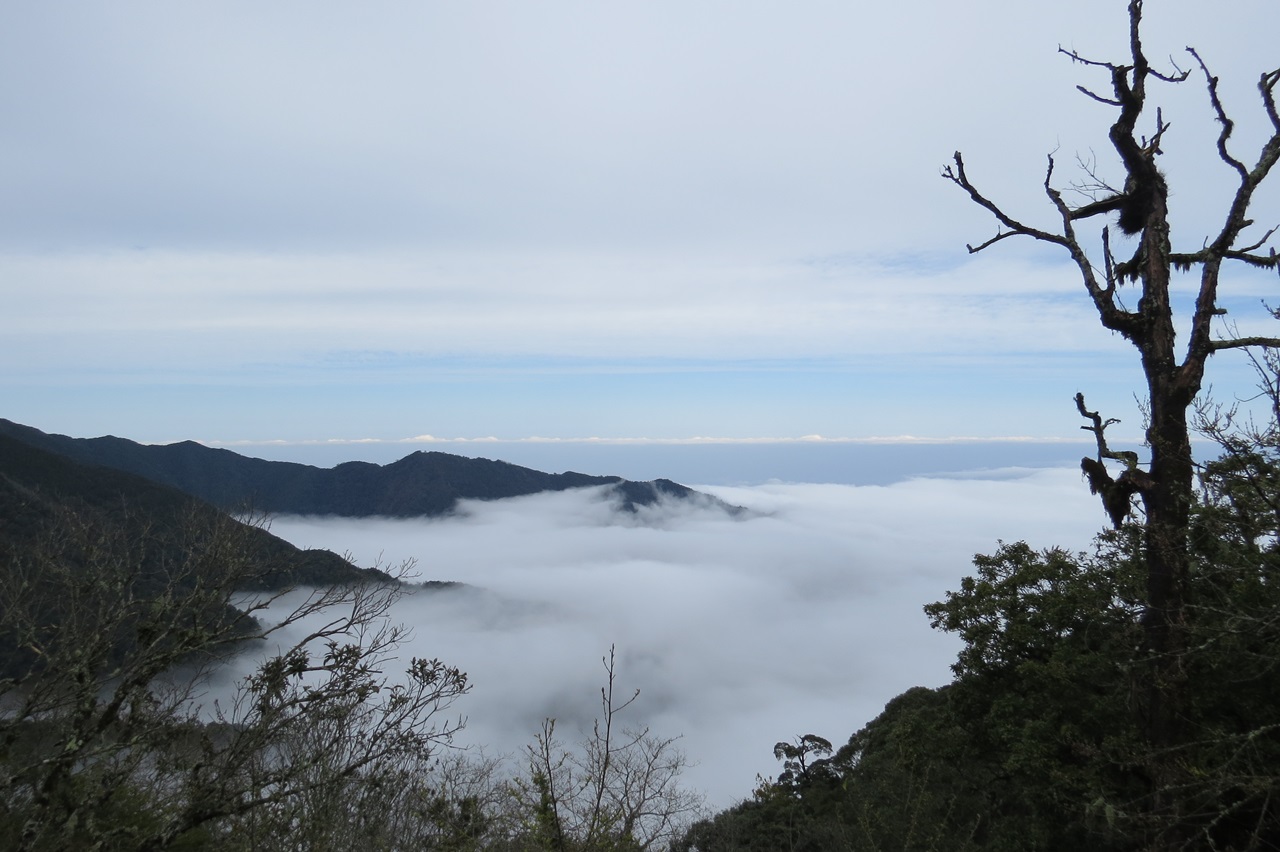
[801, 615]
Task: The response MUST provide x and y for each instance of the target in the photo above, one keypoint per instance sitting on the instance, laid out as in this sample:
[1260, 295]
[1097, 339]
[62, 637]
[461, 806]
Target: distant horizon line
[645, 441]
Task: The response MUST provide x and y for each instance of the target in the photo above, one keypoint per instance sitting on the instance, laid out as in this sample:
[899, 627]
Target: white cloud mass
[803, 617]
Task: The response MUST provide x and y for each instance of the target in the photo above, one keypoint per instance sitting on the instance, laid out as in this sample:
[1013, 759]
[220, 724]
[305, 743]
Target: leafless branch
[1255, 246]
[960, 178]
[1211, 83]
[1267, 87]
[1246, 343]
[1098, 427]
[1116, 493]
[1099, 98]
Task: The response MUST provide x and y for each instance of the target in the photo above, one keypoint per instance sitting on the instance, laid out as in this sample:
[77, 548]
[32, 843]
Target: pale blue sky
[306, 221]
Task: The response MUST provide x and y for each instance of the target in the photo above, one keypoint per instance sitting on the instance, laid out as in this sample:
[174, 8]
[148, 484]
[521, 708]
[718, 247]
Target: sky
[401, 225]
[801, 616]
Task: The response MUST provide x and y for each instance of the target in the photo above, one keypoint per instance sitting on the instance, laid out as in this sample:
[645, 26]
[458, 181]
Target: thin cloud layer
[550, 125]
[803, 617]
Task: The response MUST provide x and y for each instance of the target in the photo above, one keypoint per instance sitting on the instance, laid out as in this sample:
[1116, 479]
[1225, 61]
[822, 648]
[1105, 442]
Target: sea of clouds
[802, 615]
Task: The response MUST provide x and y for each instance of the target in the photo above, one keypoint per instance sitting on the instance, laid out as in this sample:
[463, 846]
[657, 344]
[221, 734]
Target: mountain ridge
[38, 486]
[423, 483]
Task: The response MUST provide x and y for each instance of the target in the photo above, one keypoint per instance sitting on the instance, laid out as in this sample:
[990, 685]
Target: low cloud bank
[802, 617]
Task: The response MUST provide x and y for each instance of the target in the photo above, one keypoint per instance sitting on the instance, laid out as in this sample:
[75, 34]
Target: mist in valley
[801, 615]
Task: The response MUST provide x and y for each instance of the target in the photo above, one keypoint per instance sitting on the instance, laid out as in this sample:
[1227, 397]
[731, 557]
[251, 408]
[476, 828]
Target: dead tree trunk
[1166, 488]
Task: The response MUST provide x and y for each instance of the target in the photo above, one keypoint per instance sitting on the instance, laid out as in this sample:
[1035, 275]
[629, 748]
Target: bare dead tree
[619, 789]
[1174, 377]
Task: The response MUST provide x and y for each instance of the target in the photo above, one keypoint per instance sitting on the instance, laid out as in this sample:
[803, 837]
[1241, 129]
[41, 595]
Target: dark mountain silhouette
[422, 483]
[73, 536]
[40, 490]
